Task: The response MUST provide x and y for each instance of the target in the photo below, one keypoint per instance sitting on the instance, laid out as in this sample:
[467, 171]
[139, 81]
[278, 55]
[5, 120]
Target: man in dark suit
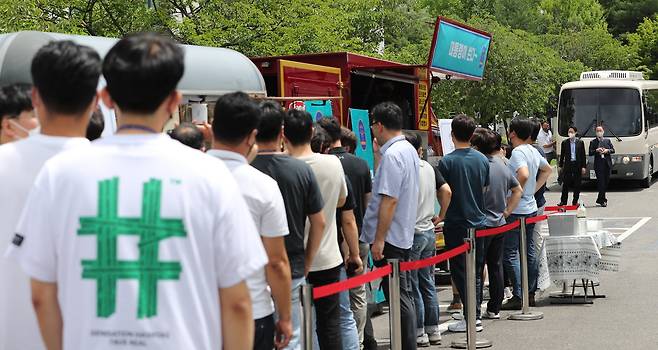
[601, 148]
[574, 164]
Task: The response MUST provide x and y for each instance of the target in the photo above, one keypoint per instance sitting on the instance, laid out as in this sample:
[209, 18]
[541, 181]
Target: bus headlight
[626, 160]
[636, 159]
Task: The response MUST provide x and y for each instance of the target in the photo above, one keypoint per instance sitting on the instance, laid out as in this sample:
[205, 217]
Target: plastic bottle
[581, 215]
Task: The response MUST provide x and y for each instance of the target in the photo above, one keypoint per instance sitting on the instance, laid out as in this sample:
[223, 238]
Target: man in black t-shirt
[358, 175]
[302, 198]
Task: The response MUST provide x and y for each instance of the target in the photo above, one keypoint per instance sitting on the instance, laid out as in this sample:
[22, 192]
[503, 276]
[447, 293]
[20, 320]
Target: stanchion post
[471, 342]
[394, 312]
[306, 292]
[525, 314]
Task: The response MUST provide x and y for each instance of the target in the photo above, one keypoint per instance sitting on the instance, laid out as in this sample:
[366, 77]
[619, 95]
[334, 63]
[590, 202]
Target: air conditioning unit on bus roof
[611, 75]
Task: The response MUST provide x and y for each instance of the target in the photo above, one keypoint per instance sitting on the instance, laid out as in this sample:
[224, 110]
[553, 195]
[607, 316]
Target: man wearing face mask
[601, 148]
[573, 164]
[17, 116]
[65, 78]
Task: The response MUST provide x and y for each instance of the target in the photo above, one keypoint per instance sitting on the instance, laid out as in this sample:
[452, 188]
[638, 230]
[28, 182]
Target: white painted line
[618, 218]
[633, 229]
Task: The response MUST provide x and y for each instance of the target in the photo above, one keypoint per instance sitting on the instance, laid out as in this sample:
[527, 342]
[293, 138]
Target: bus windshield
[618, 109]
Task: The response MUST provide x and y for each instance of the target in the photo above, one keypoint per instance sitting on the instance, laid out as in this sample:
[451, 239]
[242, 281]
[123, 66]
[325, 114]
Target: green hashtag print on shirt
[150, 228]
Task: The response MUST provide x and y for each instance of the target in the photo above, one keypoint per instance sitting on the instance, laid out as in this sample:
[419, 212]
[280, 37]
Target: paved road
[626, 319]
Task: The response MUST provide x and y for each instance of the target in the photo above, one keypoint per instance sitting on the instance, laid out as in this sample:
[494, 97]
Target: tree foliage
[521, 75]
[538, 44]
[645, 41]
[624, 16]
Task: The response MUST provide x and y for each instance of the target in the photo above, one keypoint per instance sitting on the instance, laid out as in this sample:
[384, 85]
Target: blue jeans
[511, 261]
[423, 289]
[295, 341]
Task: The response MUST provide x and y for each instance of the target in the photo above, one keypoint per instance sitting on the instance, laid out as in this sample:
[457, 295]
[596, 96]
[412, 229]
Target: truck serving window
[619, 109]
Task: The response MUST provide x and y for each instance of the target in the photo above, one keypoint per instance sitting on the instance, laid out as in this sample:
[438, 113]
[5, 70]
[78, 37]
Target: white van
[627, 106]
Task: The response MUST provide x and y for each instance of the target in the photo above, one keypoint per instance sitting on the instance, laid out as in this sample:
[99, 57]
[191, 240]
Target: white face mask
[29, 133]
[599, 134]
[572, 135]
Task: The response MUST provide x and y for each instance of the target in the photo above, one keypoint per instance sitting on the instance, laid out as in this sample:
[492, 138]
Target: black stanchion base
[568, 300]
[479, 344]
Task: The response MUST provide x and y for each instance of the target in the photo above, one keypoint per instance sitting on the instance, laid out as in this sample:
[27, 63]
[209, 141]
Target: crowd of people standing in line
[138, 240]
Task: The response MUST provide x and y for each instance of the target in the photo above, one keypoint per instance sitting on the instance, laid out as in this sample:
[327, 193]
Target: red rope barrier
[561, 208]
[333, 288]
[536, 219]
[497, 230]
[419, 264]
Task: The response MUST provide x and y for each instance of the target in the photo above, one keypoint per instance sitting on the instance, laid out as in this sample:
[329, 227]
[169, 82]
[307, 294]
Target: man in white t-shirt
[59, 70]
[17, 118]
[234, 127]
[546, 142]
[139, 242]
[298, 131]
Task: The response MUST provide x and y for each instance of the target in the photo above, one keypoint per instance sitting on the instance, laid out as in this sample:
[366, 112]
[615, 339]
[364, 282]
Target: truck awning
[209, 71]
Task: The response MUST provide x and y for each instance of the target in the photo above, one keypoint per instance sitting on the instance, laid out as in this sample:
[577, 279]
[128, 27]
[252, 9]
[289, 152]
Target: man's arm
[238, 324]
[444, 194]
[513, 200]
[542, 177]
[583, 157]
[277, 272]
[49, 315]
[384, 219]
[522, 174]
[315, 234]
[592, 147]
[562, 154]
[611, 150]
[351, 235]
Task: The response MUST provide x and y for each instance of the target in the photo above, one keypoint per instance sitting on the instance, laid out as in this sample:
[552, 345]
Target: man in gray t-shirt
[497, 208]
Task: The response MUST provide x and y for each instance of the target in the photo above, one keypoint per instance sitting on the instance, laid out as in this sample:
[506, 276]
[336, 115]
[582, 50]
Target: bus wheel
[646, 183]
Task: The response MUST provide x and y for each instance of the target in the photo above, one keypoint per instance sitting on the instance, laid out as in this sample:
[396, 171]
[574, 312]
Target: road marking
[633, 229]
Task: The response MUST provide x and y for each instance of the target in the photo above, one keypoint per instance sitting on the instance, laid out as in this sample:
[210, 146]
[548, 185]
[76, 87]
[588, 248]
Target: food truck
[209, 72]
[347, 81]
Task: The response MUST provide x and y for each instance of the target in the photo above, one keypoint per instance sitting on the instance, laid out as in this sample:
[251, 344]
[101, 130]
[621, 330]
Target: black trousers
[264, 335]
[489, 250]
[602, 181]
[571, 179]
[407, 308]
[454, 237]
[327, 310]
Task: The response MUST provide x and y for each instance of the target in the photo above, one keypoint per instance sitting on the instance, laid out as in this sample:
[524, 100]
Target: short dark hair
[463, 127]
[188, 134]
[574, 128]
[236, 116]
[499, 141]
[66, 75]
[96, 125]
[414, 139]
[15, 99]
[320, 140]
[271, 121]
[388, 114]
[484, 140]
[332, 127]
[522, 127]
[348, 139]
[508, 151]
[298, 127]
[536, 127]
[142, 70]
